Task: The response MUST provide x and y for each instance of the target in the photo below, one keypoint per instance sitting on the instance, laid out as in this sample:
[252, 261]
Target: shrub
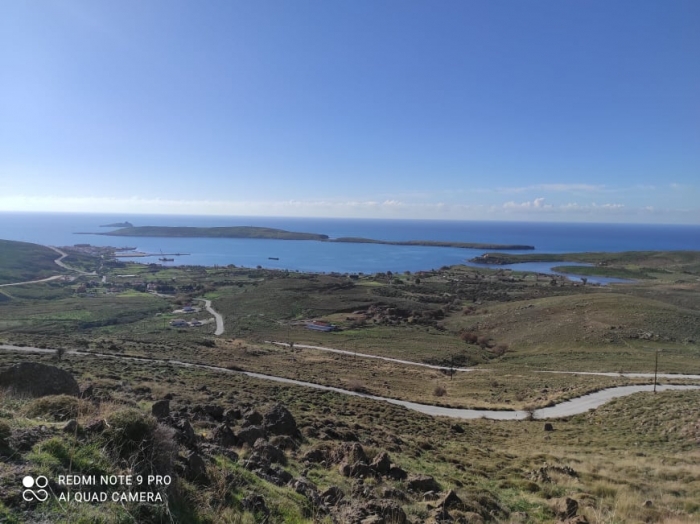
[468, 337]
[57, 407]
[5, 433]
[139, 440]
[439, 391]
[500, 350]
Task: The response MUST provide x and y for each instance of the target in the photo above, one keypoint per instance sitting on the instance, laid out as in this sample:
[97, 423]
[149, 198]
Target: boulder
[422, 483]
[196, 468]
[269, 452]
[223, 436]
[279, 421]
[332, 495]
[349, 452]
[71, 427]
[381, 463]
[250, 434]
[38, 380]
[449, 500]
[548, 426]
[252, 418]
[161, 409]
[397, 473]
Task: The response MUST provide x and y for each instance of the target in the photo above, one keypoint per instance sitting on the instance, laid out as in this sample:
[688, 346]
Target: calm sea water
[58, 229]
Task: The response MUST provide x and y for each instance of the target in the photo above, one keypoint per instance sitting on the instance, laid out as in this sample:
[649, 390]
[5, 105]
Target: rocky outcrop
[38, 380]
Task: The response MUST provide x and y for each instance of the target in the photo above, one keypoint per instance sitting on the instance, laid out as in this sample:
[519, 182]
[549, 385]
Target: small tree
[59, 353]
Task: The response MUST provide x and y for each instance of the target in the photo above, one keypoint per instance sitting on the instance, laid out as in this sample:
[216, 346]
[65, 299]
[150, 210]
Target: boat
[163, 259]
[320, 325]
[273, 258]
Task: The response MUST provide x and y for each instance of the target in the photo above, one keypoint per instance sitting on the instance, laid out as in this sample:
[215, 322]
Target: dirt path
[378, 357]
[49, 279]
[570, 407]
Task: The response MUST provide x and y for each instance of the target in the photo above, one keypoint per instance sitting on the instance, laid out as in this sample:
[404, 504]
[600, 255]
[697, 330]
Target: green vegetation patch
[22, 262]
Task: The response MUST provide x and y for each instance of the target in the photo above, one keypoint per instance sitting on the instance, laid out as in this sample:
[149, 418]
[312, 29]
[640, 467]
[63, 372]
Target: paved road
[565, 409]
[49, 279]
[60, 262]
[217, 316]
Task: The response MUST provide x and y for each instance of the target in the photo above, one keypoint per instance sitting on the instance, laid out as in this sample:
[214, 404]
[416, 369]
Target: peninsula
[280, 234]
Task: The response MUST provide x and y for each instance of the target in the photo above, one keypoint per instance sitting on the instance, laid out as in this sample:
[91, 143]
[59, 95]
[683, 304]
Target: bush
[468, 337]
[141, 442]
[439, 391]
[57, 407]
[5, 433]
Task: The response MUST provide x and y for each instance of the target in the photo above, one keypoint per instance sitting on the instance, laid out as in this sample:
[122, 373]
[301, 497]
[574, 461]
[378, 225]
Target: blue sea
[59, 229]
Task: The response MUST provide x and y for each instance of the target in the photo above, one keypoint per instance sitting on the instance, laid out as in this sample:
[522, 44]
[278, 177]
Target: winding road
[570, 407]
[217, 316]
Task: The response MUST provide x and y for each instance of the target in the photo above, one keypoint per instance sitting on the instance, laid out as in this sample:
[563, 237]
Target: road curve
[49, 279]
[568, 408]
[217, 316]
[59, 262]
[378, 357]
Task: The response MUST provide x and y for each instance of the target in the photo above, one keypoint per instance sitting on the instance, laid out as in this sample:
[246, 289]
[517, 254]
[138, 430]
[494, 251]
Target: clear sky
[555, 110]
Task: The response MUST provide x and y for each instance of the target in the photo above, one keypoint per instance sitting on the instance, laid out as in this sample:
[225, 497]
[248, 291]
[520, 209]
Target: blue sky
[548, 110]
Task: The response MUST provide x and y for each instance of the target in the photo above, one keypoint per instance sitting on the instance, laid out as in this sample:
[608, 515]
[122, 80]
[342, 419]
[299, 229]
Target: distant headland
[119, 224]
[280, 234]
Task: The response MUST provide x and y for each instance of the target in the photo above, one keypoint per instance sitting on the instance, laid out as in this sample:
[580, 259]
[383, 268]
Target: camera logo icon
[39, 494]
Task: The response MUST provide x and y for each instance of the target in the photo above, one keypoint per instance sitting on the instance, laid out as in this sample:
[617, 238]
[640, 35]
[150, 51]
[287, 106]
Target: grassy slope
[22, 261]
[634, 449]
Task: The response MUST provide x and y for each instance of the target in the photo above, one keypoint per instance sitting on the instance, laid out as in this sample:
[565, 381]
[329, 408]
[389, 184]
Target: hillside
[22, 261]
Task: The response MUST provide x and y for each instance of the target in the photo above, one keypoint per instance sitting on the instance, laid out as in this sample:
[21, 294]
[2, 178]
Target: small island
[212, 232]
[119, 224]
[280, 234]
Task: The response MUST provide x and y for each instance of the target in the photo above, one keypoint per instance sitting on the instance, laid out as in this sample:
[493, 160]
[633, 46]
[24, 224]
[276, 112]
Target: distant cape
[119, 224]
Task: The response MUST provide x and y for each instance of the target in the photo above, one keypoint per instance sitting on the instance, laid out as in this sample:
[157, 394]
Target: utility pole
[656, 368]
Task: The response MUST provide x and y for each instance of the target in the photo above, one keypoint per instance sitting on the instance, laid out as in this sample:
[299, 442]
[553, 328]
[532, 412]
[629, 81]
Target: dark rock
[252, 418]
[269, 452]
[284, 442]
[223, 436]
[196, 469]
[95, 426]
[24, 440]
[381, 463]
[397, 473]
[564, 508]
[88, 392]
[279, 421]
[231, 415]
[332, 495]
[457, 428]
[393, 493]
[374, 512]
[215, 412]
[548, 426]
[168, 396]
[349, 452]
[38, 380]
[449, 500]
[315, 456]
[255, 503]
[422, 483]
[255, 462]
[308, 489]
[71, 427]
[250, 434]
[185, 432]
[161, 409]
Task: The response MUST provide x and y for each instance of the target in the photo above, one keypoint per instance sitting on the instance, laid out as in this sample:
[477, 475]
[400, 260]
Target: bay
[59, 229]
